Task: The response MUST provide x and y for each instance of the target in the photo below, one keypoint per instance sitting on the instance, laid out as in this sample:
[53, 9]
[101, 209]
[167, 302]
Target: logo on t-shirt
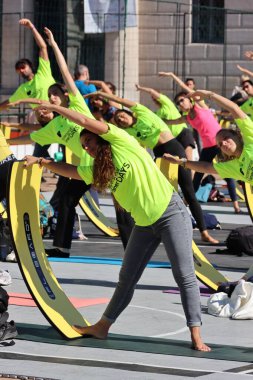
[29, 93]
[70, 133]
[119, 176]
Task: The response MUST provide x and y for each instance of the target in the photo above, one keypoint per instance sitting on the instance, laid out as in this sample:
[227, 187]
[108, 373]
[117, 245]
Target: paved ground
[153, 315]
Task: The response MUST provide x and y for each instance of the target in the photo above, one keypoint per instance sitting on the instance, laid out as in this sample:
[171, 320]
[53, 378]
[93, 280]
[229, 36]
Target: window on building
[208, 21]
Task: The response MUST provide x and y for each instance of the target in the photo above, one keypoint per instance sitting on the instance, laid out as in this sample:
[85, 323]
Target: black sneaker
[56, 252]
[8, 331]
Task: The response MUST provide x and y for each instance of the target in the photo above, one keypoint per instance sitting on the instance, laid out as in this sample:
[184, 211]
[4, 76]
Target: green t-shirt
[38, 86]
[148, 127]
[138, 185]
[240, 168]
[63, 131]
[247, 107]
[169, 111]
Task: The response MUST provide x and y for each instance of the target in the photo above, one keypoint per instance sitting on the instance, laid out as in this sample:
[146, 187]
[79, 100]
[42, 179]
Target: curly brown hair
[233, 133]
[103, 169]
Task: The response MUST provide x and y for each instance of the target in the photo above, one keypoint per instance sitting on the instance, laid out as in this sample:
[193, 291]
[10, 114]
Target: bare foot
[208, 238]
[197, 343]
[202, 347]
[99, 330]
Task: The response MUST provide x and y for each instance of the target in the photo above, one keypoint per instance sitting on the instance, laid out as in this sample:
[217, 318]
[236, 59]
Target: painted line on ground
[168, 312]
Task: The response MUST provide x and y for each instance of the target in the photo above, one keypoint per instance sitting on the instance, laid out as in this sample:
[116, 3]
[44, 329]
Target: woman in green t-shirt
[168, 111]
[152, 132]
[236, 145]
[137, 184]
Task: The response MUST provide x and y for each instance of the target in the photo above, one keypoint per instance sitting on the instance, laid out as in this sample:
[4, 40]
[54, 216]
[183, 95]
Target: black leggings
[65, 201]
[184, 180]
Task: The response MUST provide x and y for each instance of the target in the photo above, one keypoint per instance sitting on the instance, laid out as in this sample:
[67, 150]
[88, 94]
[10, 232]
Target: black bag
[4, 298]
[240, 240]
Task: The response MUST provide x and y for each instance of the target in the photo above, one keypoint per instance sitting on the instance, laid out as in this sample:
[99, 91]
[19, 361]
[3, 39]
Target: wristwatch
[183, 162]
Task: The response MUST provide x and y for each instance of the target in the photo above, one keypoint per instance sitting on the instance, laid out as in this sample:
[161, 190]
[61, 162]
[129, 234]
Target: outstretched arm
[95, 126]
[246, 71]
[184, 86]
[6, 104]
[198, 166]
[105, 88]
[37, 36]
[125, 102]
[67, 77]
[61, 168]
[180, 120]
[225, 103]
[155, 94]
[176, 79]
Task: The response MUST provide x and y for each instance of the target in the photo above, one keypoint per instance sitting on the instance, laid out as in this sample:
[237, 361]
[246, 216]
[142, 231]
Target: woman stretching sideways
[235, 159]
[137, 184]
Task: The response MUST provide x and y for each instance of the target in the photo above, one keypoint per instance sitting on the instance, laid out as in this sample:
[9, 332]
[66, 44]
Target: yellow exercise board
[204, 270]
[248, 191]
[23, 213]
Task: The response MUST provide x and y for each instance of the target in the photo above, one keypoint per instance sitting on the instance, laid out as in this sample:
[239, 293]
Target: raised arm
[104, 88]
[61, 168]
[37, 36]
[201, 103]
[180, 120]
[95, 126]
[155, 94]
[223, 102]
[67, 77]
[125, 102]
[198, 166]
[176, 79]
[246, 71]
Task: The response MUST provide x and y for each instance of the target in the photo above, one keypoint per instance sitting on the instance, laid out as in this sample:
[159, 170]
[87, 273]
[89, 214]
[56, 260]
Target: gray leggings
[174, 229]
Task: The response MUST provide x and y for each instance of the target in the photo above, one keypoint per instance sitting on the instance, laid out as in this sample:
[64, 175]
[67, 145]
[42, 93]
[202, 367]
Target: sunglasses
[179, 101]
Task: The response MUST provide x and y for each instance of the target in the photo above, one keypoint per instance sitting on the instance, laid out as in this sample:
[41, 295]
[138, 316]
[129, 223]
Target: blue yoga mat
[102, 260]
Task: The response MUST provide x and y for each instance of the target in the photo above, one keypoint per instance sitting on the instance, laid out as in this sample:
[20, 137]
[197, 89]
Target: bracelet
[183, 162]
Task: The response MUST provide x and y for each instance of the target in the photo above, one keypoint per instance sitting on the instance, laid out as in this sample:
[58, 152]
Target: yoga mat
[107, 261]
[47, 334]
[205, 292]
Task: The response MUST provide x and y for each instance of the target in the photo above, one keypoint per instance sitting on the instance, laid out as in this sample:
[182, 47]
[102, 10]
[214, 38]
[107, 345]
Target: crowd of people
[110, 135]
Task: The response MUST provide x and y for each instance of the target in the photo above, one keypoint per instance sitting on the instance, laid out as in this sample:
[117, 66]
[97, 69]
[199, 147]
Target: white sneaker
[11, 257]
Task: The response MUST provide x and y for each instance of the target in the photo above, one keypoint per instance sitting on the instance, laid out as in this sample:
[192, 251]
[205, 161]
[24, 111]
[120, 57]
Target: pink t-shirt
[206, 125]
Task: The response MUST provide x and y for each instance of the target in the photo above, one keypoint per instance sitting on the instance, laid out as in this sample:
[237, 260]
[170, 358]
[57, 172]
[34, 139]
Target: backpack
[240, 240]
[211, 221]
